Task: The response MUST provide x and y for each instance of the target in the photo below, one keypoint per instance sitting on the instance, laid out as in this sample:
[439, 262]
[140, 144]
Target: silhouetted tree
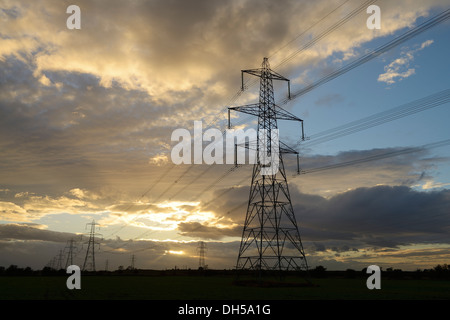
[47, 271]
[319, 271]
[27, 271]
[13, 270]
[441, 271]
[350, 273]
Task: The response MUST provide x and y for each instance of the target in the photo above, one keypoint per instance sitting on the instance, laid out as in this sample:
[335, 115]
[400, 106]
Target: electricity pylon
[201, 250]
[70, 247]
[89, 260]
[59, 260]
[133, 259]
[270, 237]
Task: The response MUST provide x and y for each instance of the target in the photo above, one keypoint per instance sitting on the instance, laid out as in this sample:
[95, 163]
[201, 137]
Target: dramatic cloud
[195, 229]
[378, 216]
[365, 168]
[350, 195]
[31, 232]
[29, 207]
[105, 95]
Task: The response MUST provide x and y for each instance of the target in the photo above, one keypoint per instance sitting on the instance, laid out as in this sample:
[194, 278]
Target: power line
[443, 16]
[143, 195]
[419, 105]
[328, 31]
[306, 30]
[379, 156]
[316, 39]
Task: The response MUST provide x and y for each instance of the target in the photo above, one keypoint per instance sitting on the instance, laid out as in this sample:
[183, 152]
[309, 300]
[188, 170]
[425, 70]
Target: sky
[86, 118]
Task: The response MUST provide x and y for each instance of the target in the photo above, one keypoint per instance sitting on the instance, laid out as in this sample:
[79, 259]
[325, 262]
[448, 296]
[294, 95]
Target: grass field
[138, 287]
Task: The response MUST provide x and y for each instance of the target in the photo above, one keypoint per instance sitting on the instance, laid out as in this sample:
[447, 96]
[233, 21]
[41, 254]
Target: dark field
[215, 287]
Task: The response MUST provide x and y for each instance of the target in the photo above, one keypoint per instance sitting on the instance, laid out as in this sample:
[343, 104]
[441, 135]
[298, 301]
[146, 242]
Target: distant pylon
[201, 251]
[69, 247]
[59, 260]
[51, 263]
[270, 237]
[133, 260]
[89, 260]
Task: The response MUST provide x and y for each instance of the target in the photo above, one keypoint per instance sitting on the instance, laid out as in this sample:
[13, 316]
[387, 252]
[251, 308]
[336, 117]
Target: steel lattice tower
[59, 262]
[201, 250]
[70, 247]
[133, 260]
[270, 237]
[89, 260]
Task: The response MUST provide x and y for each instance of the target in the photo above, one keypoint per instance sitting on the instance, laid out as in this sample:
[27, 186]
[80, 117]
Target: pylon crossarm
[285, 115]
[252, 109]
[284, 148]
[266, 73]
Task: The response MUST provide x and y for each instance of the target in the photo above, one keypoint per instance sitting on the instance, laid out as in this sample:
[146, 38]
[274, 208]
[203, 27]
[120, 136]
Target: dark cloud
[229, 203]
[364, 168]
[379, 216]
[69, 133]
[197, 230]
[30, 232]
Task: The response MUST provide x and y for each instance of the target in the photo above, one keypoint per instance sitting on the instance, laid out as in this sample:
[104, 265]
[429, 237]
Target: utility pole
[89, 260]
[270, 236]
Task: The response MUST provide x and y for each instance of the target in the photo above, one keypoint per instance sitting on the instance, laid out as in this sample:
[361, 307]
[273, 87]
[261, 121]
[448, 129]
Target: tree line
[441, 271]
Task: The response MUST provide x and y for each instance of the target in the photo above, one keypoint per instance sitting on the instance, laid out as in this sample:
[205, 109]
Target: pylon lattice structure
[201, 251]
[270, 237]
[59, 263]
[89, 260]
[70, 247]
[133, 260]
